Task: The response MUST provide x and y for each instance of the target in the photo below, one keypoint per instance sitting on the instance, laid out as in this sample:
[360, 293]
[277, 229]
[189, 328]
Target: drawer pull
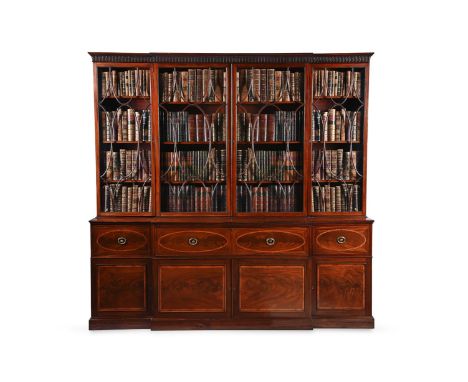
[341, 239]
[270, 241]
[122, 240]
[193, 241]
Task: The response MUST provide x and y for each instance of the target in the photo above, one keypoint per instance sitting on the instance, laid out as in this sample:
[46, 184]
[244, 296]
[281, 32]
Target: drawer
[120, 239]
[182, 241]
[341, 240]
[270, 241]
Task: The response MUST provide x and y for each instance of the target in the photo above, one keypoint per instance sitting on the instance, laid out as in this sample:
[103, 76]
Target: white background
[416, 190]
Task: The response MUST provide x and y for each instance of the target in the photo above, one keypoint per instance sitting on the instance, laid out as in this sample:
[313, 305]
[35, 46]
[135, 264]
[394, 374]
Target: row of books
[335, 164]
[195, 165]
[128, 165]
[273, 165]
[194, 198]
[271, 198]
[334, 83]
[126, 125]
[193, 85]
[127, 198]
[273, 127]
[269, 85]
[126, 83]
[181, 126]
[343, 198]
[336, 125]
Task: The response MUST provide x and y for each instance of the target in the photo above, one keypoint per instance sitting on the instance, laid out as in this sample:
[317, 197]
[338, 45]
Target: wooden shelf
[272, 143]
[335, 181]
[125, 97]
[266, 182]
[193, 103]
[206, 182]
[336, 142]
[126, 142]
[270, 103]
[190, 143]
[139, 181]
[334, 97]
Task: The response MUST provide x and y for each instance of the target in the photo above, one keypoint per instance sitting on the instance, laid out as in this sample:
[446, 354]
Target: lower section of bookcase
[228, 276]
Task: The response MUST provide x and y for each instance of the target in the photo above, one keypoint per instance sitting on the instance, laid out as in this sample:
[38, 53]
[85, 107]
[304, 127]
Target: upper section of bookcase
[233, 58]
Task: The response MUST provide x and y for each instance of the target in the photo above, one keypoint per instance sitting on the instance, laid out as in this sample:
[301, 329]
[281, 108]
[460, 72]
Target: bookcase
[231, 191]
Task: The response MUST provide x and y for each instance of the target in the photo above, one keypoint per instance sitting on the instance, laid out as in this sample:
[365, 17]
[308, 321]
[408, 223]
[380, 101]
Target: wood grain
[341, 286]
[326, 240]
[121, 288]
[271, 288]
[195, 241]
[192, 288]
[285, 240]
[121, 240]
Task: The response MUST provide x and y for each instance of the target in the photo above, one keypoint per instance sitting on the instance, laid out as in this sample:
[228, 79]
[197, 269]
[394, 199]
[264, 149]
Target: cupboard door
[342, 287]
[120, 287]
[191, 288]
[272, 288]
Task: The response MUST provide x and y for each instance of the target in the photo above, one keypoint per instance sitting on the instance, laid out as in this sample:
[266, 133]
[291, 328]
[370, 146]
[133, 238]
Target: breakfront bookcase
[231, 191]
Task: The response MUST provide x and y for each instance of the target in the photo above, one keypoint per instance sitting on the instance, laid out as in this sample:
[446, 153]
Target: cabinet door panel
[189, 287]
[120, 287]
[272, 288]
[342, 287]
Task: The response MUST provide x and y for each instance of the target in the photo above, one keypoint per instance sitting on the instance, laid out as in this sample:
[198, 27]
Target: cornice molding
[232, 58]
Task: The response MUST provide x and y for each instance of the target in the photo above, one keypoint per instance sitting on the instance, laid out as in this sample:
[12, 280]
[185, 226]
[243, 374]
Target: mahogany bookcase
[231, 191]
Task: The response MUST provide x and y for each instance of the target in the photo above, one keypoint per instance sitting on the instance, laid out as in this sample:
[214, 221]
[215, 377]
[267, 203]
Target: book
[268, 165]
[194, 198]
[127, 125]
[193, 85]
[269, 85]
[337, 83]
[336, 125]
[181, 126]
[126, 198]
[337, 165]
[345, 197]
[272, 127]
[269, 198]
[125, 83]
[125, 165]
[194, 165]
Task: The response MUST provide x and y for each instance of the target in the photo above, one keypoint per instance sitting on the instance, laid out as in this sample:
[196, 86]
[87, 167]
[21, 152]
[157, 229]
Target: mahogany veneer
[230, 270]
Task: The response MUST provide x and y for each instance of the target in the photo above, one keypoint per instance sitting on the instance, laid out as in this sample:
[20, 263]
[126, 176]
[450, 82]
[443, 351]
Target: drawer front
[270, 241]
[120, 239]
[341, 240]
[192, 241]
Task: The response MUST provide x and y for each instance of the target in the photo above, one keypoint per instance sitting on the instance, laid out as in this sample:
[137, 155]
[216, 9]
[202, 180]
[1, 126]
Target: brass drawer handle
[193, 241]
[270, 241]
[341, 239]
[122, 240]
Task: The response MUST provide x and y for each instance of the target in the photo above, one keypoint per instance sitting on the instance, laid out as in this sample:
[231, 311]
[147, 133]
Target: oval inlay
[256, 241]
[180, 241]
[134, 240]
[353, 240]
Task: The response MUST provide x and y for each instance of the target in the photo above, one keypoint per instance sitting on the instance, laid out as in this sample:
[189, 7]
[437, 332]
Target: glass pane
[125, 140]
[337, 140]
[270, 125]
[193, 135]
